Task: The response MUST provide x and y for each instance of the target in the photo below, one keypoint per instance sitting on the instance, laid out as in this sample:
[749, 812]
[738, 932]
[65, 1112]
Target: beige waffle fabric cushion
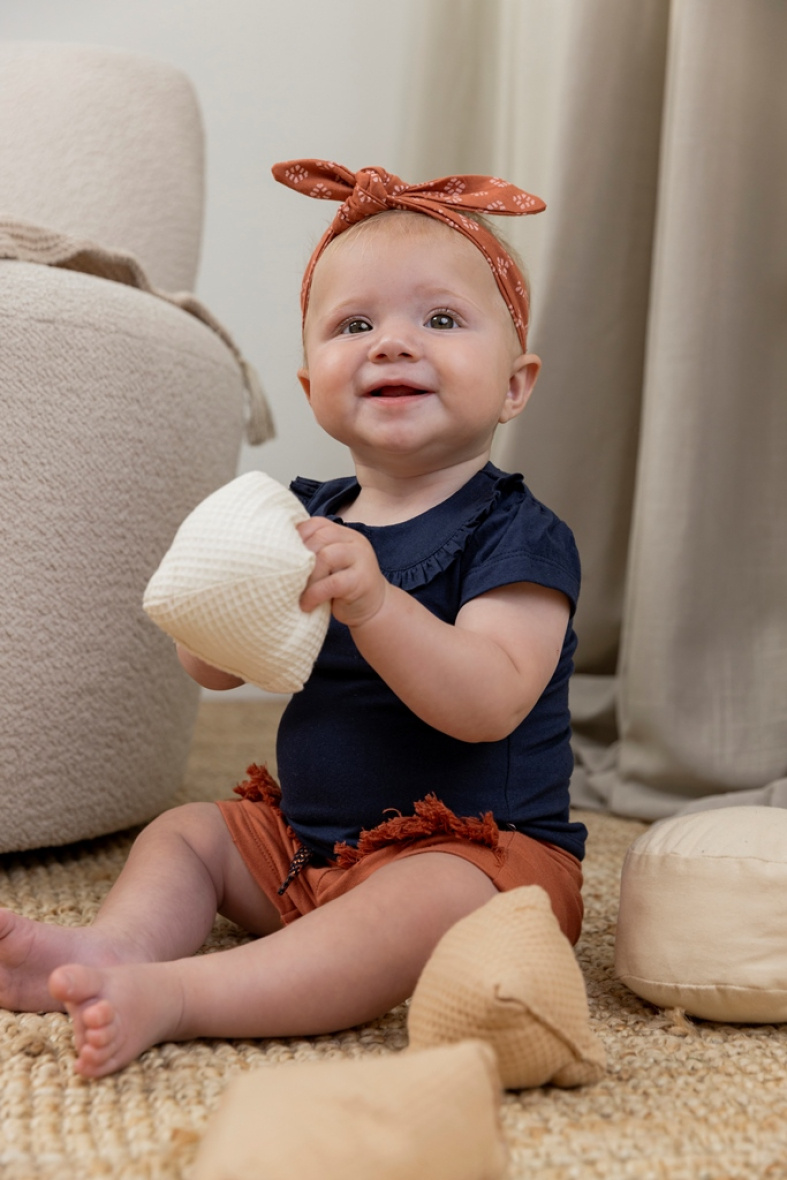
[228, 588]
[702, 915]
[397, 1117]
[507, 974]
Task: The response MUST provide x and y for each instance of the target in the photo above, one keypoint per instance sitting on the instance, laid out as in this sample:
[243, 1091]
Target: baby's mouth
[396, 391]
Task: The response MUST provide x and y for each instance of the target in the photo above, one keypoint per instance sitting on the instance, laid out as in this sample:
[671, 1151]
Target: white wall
[276, 79]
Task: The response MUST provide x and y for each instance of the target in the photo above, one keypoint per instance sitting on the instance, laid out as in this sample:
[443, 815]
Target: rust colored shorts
[510, 859]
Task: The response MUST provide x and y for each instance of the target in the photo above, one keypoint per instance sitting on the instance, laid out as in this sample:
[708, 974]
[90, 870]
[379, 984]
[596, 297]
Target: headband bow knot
[373, 190]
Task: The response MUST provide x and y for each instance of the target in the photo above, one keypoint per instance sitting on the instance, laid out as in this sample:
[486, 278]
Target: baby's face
[411, 354]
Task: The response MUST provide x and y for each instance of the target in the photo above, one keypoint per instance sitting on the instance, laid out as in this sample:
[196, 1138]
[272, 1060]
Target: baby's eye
[442, 319]
[350, 327]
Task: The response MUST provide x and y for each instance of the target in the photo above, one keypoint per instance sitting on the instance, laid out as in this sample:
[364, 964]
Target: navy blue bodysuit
[350, 754]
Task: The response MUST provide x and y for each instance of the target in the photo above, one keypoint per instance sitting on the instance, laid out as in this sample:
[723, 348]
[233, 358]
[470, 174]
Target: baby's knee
[199, 824]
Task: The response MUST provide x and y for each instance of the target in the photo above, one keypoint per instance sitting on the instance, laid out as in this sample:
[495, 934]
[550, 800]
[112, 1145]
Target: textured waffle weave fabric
[507, 975]
[229, 585]
[393, 1117]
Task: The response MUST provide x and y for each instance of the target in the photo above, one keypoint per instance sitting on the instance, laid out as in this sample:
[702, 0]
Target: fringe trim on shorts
[260, 787]
[432, 818]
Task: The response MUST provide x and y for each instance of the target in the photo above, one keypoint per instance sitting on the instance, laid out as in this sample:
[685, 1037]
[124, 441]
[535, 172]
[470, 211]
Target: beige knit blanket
[23, 241]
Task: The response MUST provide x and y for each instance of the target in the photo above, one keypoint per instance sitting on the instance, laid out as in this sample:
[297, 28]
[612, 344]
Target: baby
[425, 765]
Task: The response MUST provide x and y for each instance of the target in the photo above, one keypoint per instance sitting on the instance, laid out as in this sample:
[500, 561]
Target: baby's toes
[99, 1052]
[92, 1061]
[99, 1038]
[98, 1017]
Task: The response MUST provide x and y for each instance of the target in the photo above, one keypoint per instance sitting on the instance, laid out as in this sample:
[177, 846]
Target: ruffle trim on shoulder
[422, 572]
[305, 489]
[431, 818]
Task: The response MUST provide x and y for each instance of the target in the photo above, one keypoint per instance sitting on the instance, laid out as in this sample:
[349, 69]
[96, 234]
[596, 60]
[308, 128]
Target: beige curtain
[659, 426]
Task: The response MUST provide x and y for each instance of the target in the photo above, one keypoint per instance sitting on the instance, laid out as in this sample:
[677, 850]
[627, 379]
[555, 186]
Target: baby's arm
[206, 674]
[475, 680]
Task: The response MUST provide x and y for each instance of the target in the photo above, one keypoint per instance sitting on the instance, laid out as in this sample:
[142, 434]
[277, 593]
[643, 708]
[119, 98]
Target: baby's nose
[394, 344]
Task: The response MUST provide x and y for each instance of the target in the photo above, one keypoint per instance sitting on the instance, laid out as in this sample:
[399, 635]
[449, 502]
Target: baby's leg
[339, 966]
[182, 869]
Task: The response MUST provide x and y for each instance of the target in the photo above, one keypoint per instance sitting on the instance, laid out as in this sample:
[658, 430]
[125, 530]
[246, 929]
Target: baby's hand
[346, 572]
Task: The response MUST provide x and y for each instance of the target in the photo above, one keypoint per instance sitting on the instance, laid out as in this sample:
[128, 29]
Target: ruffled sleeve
[305, 489]
[522, 541]
[321, 498]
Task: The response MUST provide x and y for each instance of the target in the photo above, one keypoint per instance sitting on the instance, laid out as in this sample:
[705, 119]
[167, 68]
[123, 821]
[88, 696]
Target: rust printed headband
[373, 190]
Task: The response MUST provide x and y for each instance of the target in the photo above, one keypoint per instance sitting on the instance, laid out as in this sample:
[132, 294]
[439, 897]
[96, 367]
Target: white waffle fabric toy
[229, 585]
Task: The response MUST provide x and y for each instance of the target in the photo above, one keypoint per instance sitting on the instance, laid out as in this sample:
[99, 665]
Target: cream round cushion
[229, 585]
[703, 915]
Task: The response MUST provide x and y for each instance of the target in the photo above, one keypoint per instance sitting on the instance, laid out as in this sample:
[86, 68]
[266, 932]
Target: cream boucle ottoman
[120, 413]
[703, 915]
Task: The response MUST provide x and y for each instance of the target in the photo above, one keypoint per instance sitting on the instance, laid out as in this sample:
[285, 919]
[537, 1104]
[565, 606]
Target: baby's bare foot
[117, 1012]
[29, 951]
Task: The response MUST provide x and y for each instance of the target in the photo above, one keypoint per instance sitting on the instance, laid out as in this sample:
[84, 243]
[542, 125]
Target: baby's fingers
[317, 531]
[317, 592]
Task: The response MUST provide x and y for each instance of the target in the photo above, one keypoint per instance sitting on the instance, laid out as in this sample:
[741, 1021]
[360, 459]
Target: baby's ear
[524, 373]
[305, 380]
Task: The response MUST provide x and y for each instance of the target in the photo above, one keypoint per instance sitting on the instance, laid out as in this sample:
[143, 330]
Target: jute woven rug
[682, 1100]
